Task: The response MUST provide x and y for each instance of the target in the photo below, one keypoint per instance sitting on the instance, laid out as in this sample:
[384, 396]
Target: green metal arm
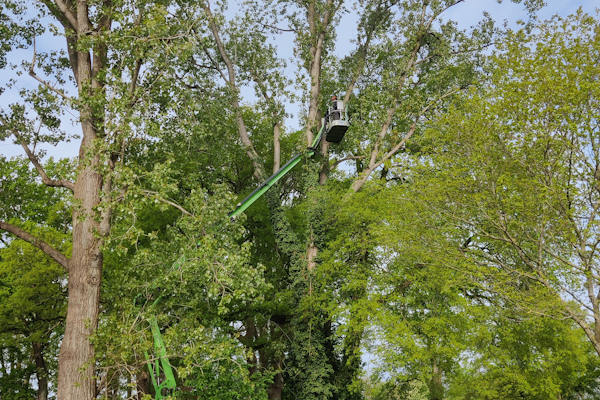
[259, 191]
[161, 364]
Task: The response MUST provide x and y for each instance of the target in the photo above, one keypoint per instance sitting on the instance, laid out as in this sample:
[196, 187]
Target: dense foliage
[446, 249]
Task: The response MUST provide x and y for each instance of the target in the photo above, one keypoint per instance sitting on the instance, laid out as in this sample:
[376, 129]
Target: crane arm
[259, 191]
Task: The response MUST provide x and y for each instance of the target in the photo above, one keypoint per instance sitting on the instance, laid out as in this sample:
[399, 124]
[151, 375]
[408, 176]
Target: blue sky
[466, 15]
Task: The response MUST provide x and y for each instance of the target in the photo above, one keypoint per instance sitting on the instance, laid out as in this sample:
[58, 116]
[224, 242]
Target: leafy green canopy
[489, 261]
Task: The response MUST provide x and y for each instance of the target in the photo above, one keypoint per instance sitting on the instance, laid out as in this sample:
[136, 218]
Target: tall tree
[106, 71]
[437, 60]
[513, 178]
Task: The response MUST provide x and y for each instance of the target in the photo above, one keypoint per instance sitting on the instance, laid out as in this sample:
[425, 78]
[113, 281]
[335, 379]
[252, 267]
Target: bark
[318, 30]
[311, 254]
[142, 384]
[324, 171]
[76, 377]
[436, 389]
[315, 89]
[276, 147]
[41, 371]
[76, 372]
[276, 388]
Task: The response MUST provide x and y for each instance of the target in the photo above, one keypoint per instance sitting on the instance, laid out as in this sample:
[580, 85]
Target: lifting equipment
[159, 367]
[334, 125]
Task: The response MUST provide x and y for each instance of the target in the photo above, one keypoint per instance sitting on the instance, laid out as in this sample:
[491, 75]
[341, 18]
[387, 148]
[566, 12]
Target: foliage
[492, 231]
[436, 255]
[32, 309]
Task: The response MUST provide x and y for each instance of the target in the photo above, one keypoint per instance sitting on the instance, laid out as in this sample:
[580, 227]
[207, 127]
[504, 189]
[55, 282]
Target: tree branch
[42, 81]
[40, 244]
[338, 162]
[38, 166]
[62, 12]
[373, 166]
[166, 201]
[259, 172]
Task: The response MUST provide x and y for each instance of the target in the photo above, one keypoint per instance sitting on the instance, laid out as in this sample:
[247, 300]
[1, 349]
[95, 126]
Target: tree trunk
[76, 373]
[142, 384]
[276, 388]
[41, 371]
[436, 389]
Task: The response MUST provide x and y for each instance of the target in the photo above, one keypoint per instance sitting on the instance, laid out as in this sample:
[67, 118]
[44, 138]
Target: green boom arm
[161, 364]
[259, 191]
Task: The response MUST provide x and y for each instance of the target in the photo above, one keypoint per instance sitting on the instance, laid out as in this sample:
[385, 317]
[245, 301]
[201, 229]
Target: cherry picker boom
[335, 124]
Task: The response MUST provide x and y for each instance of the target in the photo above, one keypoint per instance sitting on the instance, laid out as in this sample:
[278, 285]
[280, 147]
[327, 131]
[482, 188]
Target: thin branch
[276, 28]
[216, 65]
[38, 166]
[42, 81]
[338, 162]
[166, 201]
[40, 244]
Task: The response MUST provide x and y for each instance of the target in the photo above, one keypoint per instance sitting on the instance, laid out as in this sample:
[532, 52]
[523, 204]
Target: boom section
[273, 179]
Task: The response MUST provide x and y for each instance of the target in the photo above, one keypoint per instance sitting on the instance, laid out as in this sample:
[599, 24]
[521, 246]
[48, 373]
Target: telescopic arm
[259, 191]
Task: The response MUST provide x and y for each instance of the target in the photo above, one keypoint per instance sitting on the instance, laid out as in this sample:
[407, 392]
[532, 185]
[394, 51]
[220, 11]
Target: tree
[32, 293]
[32, 299]
[512, 182]
[107, 72]
[147, 70]
[436, 63]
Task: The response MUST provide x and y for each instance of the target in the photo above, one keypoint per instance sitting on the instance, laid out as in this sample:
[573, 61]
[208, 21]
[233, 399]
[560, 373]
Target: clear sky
[466, 15]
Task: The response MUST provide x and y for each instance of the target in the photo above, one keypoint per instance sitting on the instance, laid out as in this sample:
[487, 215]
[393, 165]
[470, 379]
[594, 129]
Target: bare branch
[42, 81]
[40, 244]
[38, 166]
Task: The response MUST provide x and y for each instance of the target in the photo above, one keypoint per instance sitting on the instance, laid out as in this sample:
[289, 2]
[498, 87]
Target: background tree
[500, 198]
[520, 191]
[33, 292]
[31, 312]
